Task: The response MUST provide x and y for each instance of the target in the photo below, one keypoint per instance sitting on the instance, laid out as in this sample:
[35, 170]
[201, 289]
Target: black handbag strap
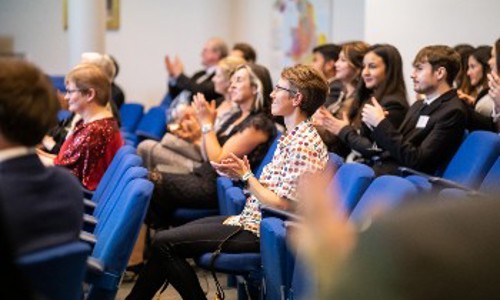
[219, 294]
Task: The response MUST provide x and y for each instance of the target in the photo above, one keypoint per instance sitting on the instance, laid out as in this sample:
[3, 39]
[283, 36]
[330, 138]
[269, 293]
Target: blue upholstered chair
[152, 125]
[115, 240]
[384, 193]
[467, 168]
[130, 116]
[488, 186]
[56, 273]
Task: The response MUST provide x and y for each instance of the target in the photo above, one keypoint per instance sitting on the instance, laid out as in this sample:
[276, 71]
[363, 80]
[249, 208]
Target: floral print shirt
[299, 151]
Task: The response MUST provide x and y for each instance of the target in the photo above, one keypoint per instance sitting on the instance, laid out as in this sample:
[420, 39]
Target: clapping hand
[232, 166]
[174, 66]
[494, 91]
[323, 118]
[373, 114]
[205, 112]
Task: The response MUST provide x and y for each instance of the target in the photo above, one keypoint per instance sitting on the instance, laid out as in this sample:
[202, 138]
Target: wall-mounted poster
[298, 26]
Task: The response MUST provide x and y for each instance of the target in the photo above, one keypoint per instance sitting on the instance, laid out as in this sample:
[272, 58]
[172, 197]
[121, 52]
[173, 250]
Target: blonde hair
[229, 64]
[103, 61]
[88, 76]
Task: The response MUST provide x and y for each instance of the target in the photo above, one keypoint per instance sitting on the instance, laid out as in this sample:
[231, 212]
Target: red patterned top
[88, 151]
[299, 151]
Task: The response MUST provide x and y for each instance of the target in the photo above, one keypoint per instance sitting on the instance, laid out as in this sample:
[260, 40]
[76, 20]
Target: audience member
[479, 103]
[249, 132]
[107, 66]
[89, 149]
[182, 88]
[462, 81]
[477, 71]
[16, 283]
[56, 136]
[348, 72]
[245, 51]
[382, 76]
[117, 93]
[324, 58]
[180, 148]
[299, 92]
[41, 207]
[433, 128]
[494, 82]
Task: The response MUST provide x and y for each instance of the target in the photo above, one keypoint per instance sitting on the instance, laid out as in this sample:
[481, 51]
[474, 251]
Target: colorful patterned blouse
[299, 151]
[89, 149]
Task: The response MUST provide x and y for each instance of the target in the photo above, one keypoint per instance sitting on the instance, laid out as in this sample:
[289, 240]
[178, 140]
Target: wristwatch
[246, 176]
[206, 128]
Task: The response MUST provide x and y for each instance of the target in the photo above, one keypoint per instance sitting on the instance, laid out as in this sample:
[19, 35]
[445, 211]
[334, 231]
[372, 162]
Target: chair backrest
[117, 237]
[126, 162]
[277, 260]
[153, 124]
[350, 182]
[105, 208]
[491, 182]
[58, 82]
[130, 116]
[384, 192]
[473, 159]
[110, 171]
[57, 273]
[269, 155]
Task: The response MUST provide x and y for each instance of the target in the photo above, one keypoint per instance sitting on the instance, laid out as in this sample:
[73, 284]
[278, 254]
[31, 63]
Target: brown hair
[440, 56]
[28, 102]
[311, 83]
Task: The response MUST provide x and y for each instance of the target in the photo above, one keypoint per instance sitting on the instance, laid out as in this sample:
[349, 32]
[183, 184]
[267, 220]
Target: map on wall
[298, 26]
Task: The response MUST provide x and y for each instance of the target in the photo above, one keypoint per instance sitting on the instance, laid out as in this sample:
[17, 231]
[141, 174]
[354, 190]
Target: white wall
[411, 25]
[152, 28]
[348, 22]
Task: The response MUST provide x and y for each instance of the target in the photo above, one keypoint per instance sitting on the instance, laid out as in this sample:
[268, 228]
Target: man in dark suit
[214, 50]
[42, 206]
[433, 127]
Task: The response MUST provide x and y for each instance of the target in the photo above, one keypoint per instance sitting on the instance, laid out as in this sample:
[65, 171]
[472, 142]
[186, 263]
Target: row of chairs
[475, 168]
[92, 268]
[138, 125]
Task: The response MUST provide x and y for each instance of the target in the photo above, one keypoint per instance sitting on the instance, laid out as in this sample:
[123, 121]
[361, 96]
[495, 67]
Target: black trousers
[171, 247]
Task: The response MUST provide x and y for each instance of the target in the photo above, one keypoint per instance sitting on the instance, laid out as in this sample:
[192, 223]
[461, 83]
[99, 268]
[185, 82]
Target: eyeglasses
[68, 91]
[279, 87]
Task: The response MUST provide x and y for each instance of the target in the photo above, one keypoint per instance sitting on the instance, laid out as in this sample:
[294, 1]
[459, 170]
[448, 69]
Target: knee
[145, 147]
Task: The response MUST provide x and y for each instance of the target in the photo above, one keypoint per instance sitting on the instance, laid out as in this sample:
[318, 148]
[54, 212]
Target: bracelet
[206, 128]
[246, 176]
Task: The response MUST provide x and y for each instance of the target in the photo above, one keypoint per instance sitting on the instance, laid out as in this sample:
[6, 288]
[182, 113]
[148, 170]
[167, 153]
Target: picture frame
[112, 14]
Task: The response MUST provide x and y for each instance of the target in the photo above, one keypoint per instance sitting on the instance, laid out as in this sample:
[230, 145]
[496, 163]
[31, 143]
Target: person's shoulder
[63, 176]
[394, 99]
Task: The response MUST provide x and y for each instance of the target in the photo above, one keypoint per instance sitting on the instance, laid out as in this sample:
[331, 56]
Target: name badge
[422, 121]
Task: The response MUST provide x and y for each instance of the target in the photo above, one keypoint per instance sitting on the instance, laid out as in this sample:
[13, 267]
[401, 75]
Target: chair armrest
[88, 238]
[268, 211]
[89, 206]
[89, 223]
[87, 194]
[94, 265]
[435, 180]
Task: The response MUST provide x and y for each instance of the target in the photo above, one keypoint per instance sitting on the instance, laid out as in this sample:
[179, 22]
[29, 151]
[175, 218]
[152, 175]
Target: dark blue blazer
[42, 206]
